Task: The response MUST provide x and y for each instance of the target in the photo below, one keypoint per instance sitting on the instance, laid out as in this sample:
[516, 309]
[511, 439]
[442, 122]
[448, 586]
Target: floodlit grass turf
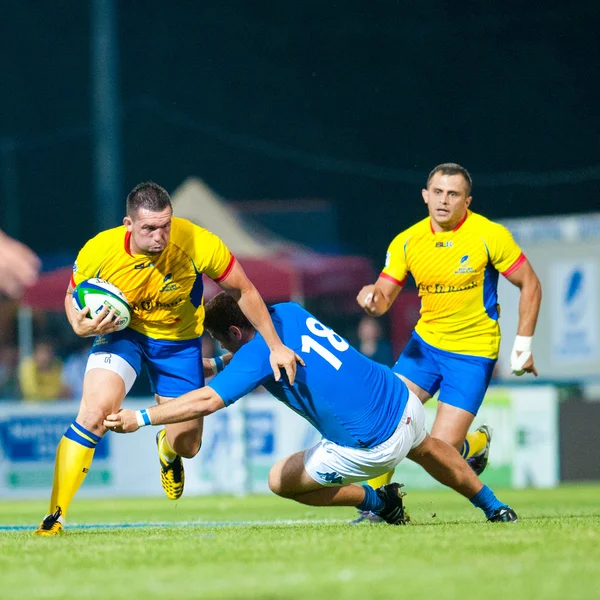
[553, 552]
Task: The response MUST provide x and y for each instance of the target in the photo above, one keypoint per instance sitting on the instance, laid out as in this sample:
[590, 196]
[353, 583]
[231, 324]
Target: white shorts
[330, 465]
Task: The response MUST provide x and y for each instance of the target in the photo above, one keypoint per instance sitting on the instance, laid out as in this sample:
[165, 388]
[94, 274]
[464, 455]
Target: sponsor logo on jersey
[443, 244]
[144, 265]
[148, 305]
[442, 288]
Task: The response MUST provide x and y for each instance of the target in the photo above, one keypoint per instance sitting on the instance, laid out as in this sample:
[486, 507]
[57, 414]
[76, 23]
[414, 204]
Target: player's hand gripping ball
[96, 294]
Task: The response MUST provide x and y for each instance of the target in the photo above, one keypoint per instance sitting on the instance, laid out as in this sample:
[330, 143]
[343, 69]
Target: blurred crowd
[56, 367]
[372, 342]
[52, 373]
[47, 374]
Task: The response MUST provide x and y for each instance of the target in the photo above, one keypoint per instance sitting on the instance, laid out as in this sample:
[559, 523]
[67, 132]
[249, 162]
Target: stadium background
[281, 100]
[320, 123]
[316, 122]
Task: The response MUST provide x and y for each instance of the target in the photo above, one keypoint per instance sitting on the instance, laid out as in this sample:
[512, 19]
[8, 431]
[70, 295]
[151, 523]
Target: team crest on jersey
[444, 244]
[169, 286]
[464, 266]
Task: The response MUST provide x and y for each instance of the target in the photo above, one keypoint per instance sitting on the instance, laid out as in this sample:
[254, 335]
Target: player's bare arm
[190, 406]
[239, 287]
[529, 307]
[376, 299]
[19, 266]
[82, 325]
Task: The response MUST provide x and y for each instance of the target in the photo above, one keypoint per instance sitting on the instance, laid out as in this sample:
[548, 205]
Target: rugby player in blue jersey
[367, 416]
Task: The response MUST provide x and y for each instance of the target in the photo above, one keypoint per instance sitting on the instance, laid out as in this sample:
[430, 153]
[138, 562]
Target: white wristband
[216, 364]
[213, 365]
[142, 417]
[523, 343]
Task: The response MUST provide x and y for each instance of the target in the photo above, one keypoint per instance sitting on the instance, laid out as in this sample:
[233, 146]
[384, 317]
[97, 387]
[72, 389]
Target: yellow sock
[381, 480]
[474, 444]
[165, 450]
[73, 459]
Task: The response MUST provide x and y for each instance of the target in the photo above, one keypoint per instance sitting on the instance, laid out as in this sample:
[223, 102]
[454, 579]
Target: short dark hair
[452, 169]
[148, 195]
[221, 313]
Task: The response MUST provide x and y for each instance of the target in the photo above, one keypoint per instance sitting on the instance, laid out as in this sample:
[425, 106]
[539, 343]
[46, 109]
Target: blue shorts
[174, 367]
[461, 379]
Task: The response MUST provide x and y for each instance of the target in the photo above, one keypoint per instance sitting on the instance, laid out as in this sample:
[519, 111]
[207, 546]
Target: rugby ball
[96, 294]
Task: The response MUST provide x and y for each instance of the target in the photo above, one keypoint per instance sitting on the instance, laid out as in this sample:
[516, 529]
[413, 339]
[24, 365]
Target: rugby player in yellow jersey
[157, 260]
[455, 257]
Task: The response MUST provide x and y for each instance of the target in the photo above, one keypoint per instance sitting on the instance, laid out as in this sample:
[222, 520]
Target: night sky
[352, 102]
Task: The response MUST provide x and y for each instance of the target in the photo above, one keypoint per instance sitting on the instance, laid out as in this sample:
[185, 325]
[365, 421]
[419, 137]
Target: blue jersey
[350, 399]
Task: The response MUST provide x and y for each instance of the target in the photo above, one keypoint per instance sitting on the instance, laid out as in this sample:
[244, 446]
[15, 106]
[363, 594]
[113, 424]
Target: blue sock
[486, 500]
[372, 501]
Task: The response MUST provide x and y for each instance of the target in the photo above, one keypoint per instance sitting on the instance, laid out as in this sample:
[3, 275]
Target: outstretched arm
[529, 308]
[198, 403]
[213, 366]
[239, 287]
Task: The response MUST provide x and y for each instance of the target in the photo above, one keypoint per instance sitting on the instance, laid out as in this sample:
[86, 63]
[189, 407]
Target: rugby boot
[393, 509]
[51, 525]
[504, 514]
[172, 476]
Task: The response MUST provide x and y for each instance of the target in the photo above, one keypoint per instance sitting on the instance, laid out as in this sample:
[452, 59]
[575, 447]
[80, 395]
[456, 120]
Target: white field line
[180, 524]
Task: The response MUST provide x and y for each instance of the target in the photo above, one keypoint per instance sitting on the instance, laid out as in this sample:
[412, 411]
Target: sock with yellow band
[474, 444]
[384, 479]
[73, 460]
[166, 452]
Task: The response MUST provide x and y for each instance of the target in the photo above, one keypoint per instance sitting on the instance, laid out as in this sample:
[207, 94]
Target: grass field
[234, 548]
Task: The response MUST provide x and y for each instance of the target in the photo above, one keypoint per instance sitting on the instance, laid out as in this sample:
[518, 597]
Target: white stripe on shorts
[116, 364]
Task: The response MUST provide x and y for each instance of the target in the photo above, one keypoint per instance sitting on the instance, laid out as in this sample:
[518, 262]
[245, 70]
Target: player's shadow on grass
[437, 521]
[561, 517]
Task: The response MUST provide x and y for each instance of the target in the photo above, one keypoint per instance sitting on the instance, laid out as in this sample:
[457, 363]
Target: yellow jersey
[165, 291]
[456, 273]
